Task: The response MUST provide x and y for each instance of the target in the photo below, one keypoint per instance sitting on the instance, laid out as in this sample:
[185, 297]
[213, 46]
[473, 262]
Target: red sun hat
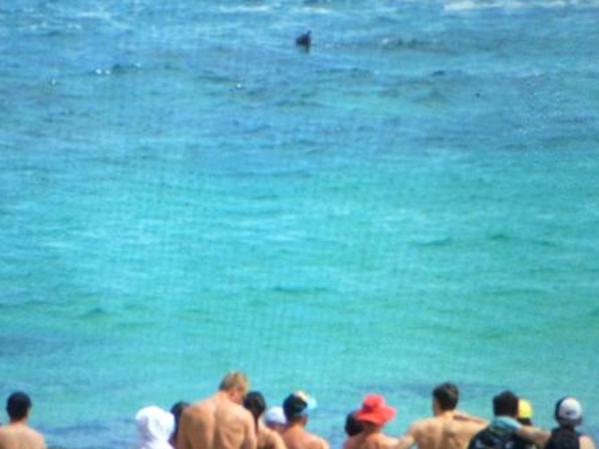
[374, 410]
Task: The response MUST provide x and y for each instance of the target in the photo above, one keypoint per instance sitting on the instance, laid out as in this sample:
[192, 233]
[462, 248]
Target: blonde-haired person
[220, 421]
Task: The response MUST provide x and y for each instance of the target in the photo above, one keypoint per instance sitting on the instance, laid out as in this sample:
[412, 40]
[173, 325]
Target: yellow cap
[524, 409]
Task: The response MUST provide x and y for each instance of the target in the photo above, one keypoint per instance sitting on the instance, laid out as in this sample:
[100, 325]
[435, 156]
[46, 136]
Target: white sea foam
[468, 5]
[246, 8]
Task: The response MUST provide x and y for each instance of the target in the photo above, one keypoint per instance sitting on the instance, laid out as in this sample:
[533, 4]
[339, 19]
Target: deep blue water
[184, 192]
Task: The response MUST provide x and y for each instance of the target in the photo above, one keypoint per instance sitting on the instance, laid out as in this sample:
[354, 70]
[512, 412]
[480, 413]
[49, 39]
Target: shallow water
[184, 192]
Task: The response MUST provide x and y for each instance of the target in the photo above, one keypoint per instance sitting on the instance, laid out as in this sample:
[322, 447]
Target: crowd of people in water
[236, 418]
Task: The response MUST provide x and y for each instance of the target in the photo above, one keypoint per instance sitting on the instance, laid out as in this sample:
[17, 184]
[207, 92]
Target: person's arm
[535, 435]
[586, 442]
[407, 440]
[324, 444]
[463, 416]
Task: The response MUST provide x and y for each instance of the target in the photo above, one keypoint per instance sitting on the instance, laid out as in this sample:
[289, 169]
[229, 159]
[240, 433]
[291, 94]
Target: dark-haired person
[17, 434]
[219, 422]
[352, 425]
[500, 433]
[373, 415]
[568, 414]
[267, 438]
[296, 407]
[176, 411]
[448, 428]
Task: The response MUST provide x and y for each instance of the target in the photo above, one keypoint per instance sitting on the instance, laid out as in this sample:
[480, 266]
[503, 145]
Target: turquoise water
[183, 192]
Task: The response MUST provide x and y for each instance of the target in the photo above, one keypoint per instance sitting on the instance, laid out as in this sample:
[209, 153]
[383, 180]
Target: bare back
[20, 436]
[216, 423]
[443, 432]
[372, 441]
[296, 437]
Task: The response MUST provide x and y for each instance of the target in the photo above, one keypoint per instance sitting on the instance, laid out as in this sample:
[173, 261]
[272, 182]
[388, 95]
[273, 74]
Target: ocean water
[184, 192]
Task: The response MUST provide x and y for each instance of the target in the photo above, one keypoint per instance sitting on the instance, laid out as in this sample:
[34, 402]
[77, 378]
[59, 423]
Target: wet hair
[18, 405]
[255, 403]
[177, 410]
[234, 380]
[447, 396]
[352, 425]
[505, 404]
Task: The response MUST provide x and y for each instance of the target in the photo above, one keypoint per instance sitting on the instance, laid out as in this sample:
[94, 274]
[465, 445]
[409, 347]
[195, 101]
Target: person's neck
[16, 422]
[224, 395]
[296, 425]
[444, 414]
[372, 431]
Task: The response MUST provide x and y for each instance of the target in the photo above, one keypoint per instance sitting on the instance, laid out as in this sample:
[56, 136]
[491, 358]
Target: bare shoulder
[36, 434]
[40, 441]
[242, 413]
[423, 425]
[204, 404]
[318, 442]
[469, 427]
[198, 411]
[324, 444]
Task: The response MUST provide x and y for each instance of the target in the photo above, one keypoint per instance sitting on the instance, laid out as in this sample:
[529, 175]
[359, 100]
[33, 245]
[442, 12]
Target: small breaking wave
[116, 69]
[245, 9]
[472, 5]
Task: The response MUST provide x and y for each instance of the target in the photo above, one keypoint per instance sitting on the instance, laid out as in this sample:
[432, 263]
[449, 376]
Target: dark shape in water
[304, 40]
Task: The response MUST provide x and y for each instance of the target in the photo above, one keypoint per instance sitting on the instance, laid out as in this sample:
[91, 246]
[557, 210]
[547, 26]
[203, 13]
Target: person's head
[568, 412]
[445, 397]
[374, 413]
[524, 412]
[352, 425]
[274, 418]
[236, 385]
[505, 404]
[296, 407]
[18, 405]
[154, 425]
[176, 410]
[255, 403]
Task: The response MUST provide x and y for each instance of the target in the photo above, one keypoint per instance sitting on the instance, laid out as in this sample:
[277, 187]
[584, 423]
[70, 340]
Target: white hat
[568, 409]
[275, 415]
[155, 426]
